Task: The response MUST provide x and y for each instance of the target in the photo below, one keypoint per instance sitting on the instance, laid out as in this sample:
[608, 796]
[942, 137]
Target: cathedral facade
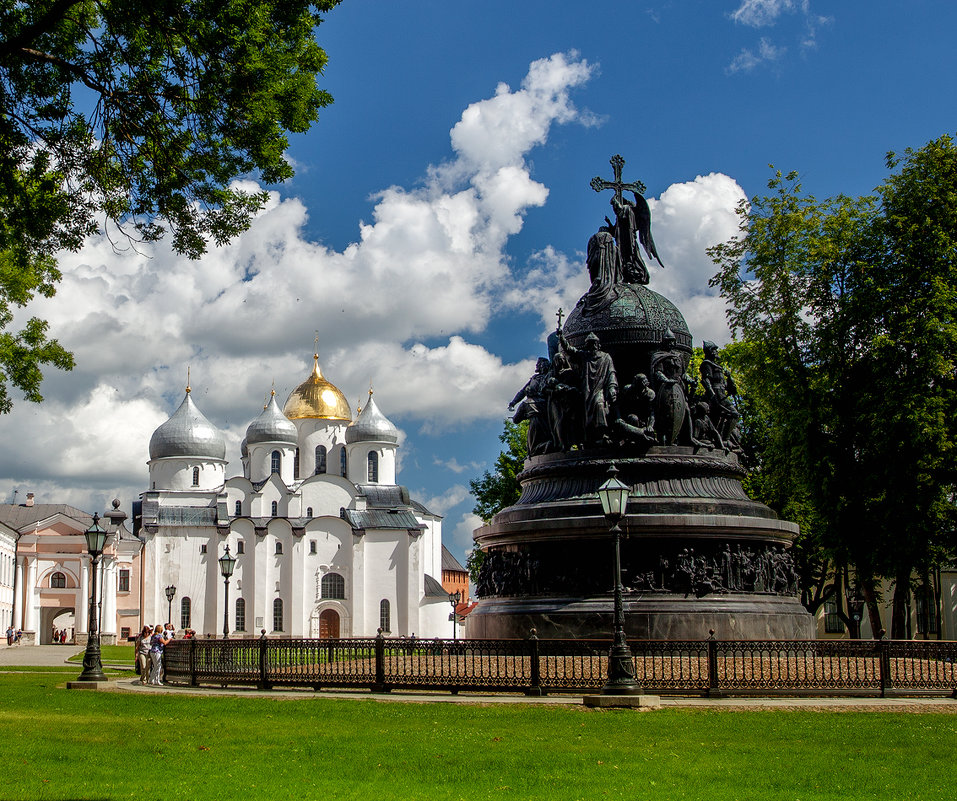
[326, 543]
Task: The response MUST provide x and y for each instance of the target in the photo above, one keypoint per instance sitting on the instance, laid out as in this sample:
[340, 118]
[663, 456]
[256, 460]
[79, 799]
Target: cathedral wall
[434, 615]
[326, 495]
[359, 462]
[384, 552]
[260, 461]
[314, 432]
[175, 473]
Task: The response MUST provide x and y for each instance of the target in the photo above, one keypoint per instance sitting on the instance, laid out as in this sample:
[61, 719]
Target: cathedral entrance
[329, 625]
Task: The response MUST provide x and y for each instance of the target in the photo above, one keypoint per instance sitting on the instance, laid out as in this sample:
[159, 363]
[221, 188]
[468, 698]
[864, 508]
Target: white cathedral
[326, 543]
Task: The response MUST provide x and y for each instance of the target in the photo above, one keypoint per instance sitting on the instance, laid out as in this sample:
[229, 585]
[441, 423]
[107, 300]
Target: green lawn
[62, 744]
[111, 654]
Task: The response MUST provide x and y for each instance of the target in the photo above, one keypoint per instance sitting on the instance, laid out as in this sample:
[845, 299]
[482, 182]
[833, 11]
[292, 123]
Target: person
[143, 653]
[9, 635]
[157, 643]
[534, 409]
[17, 636]
[598, 383]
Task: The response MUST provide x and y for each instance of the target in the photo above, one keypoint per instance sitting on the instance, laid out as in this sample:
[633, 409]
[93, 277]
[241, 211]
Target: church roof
[382, 519]
[271, 426]
[188, 433]
[372, 426]
[434, 588]
[317, 398]
[449, 562]
[385, 495]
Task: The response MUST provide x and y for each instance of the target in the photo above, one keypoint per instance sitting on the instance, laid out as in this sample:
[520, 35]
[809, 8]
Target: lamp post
[170, 595]
[227, 563]
[92, 666]
[855, 609]
[613, 495]
[454, 598]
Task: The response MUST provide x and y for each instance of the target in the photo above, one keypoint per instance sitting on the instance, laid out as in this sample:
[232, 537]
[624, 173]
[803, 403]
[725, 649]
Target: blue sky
[441, 206]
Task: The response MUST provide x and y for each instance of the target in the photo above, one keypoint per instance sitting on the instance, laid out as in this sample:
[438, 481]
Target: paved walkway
[30, 655]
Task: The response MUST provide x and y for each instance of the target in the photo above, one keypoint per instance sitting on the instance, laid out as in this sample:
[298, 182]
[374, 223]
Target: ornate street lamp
[170, 595]
[855, 609]
[621, 669]
[454, 598]
[92, 666]
[227, 564]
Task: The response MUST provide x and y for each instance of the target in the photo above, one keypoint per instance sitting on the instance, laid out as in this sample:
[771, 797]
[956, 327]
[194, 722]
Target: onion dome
[243, 448]
[188, 433]
[371, 426]
[317, 398]
[272, 426]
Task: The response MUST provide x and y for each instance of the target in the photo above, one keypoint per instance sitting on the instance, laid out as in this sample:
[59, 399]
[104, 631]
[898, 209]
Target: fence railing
[536, 667]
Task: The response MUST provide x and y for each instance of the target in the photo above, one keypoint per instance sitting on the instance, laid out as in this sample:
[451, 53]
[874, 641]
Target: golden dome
[316, 398]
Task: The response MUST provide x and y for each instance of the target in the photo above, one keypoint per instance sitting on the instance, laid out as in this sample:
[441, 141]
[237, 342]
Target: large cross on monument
[600, 184]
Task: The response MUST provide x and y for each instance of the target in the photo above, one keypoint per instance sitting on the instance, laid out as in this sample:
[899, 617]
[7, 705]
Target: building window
[312, 546]
[185, 607]
[124, 632]
[275, 508]
[832, 621]
[277, 615]
[195, 476]
[926, 613]
[343, 464]
[58, 581]
[384, 616]
[373, 467]
[320, 459]
[240, 614]
[295, 465]
[308, 511]
[240, 546]
[239, 508]
[278, 548]
[276, 462]
[202, 548]
[333, 586]
[124, 580]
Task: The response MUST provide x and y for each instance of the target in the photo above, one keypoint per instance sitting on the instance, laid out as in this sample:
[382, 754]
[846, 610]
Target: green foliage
[473, 563]
[846, 310]
[494, 491]
[138, 117]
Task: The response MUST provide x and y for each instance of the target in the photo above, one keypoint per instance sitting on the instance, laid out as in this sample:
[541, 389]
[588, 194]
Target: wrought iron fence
[535, 667]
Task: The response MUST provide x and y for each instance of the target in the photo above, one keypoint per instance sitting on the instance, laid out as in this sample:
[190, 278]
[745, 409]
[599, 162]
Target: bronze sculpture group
[574, 399]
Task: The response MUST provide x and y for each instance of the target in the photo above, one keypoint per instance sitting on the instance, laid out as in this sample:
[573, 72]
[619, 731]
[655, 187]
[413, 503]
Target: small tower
[271, 445]
[187, 452]
[372, 441]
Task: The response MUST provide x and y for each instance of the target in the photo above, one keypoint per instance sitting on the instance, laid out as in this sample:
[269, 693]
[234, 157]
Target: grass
[60, 744]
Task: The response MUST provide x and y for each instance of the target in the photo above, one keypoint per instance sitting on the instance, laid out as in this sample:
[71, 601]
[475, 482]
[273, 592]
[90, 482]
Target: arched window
[195, 476]
[275, 508]
[333, 586]
[295, 465]
[185, 608]
[277, 615]
[320, 459]
[308, 511]
[240, 614]
[276, 462]
[385, 616]
[239, 508]
[343, 464]
[373, 467]
[58, 581]
[278, 548]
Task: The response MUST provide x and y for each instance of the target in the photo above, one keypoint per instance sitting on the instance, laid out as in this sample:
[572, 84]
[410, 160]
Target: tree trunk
[899, 611]
[873, 609]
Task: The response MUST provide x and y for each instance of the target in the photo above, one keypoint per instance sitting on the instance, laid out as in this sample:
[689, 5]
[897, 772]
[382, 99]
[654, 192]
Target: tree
[494, 491]
[847, 320]
[138, 117]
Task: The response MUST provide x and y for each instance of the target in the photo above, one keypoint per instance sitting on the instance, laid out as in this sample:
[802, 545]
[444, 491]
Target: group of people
[60, 636]
[149, 652]
[14, 635]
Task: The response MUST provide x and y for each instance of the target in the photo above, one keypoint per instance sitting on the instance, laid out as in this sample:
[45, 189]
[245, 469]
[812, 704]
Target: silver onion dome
[188, 433]
[371, 426]
[272, 426]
